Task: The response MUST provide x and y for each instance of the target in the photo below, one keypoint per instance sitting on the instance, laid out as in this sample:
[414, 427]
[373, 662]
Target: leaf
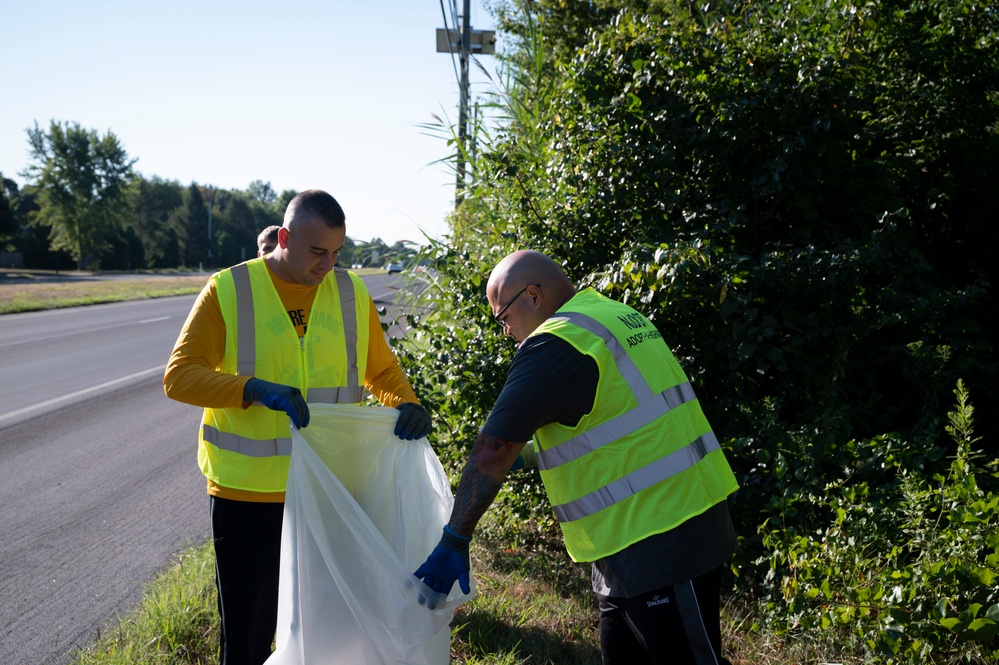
[993, 613]
[940, 609]
[984, 575]
[953, 624]
[981, 630]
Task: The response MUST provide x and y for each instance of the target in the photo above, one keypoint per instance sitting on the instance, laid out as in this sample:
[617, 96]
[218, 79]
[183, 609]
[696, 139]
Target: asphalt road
[100, 486]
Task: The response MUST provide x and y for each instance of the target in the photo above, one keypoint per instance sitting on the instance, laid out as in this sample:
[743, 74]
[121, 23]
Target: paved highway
[100, 486]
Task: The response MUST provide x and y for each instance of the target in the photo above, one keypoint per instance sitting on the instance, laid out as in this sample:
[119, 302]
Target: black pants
[247, 540]
[677, 625]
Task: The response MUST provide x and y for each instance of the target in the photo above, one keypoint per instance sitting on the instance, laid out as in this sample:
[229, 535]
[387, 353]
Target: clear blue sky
[323, 93]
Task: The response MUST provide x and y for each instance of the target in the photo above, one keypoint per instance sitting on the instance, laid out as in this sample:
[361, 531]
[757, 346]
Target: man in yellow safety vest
[635, 476]
[264, 339]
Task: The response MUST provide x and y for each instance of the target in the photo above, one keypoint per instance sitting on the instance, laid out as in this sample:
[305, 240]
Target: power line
[448, 30]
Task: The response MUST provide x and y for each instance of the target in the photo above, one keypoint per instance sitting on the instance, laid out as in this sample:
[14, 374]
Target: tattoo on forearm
[481, 480]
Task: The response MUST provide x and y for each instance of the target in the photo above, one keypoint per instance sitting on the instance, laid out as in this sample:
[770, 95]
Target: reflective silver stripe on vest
[244, 446]
[345, 286]
[625, 365]
[341, 395]
[246, 346]
[616, 428]
[246, 338]
[638, 480]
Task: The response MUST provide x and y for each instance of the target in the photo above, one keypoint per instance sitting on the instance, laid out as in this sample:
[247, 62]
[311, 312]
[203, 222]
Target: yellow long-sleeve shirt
[192, 376]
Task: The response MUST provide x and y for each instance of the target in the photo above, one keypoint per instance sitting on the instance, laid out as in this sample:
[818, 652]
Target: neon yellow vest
[249, 448]
[644, 460]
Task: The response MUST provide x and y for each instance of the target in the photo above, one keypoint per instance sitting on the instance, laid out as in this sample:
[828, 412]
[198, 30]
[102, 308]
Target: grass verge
[177, 621]
[523, 614]
[30, 297]
[533, 608]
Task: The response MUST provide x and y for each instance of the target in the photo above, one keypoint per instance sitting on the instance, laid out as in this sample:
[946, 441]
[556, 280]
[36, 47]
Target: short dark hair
[268, 235]
[319, 203]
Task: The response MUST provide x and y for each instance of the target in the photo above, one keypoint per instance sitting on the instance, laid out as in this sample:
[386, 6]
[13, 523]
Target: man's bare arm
[484, 473]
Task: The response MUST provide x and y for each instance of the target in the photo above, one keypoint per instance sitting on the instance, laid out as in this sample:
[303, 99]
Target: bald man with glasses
[634, 473]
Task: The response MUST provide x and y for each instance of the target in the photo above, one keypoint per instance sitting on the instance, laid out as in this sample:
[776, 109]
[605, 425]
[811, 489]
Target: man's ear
[283, 238]
[537, 297]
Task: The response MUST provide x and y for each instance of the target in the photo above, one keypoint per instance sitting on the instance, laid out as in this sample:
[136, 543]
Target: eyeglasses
[499, 315]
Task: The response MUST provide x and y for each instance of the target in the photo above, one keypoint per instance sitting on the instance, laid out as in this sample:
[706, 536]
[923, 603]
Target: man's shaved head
[528, 267]
[525, 289]
[315, 203]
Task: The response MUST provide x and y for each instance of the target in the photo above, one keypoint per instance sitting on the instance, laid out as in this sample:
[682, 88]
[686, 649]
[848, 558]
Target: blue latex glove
[278, 397]
[413, 421]
[447, 563]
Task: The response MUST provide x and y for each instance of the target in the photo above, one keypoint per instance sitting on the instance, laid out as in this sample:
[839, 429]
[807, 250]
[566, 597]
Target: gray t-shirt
[550, 381]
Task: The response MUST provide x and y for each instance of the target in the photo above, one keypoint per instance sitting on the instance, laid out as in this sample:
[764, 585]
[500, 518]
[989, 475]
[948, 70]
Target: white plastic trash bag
[362, 512]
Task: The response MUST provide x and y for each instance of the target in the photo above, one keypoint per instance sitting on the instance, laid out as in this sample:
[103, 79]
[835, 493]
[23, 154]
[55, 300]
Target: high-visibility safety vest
[249, 448]
[644, 460]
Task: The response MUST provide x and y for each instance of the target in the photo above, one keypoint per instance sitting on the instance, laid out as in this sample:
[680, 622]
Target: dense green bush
[800, 196]
[774, 152]
[905, 565]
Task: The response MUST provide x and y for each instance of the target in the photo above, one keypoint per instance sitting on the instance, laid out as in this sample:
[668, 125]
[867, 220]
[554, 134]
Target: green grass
[523, 614]
[533, 608]
[29, 293]
[177, 621]
[35, 296]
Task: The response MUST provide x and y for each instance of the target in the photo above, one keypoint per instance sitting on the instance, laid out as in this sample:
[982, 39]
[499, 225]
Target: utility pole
[466, 38]
[465, 42]
[211, 204]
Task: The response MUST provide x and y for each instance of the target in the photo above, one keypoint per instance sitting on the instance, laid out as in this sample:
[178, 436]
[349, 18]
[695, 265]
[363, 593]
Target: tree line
[801, 197]
[84, 206]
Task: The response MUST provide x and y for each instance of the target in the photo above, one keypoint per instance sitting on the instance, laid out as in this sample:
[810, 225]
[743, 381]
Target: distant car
[393, 267]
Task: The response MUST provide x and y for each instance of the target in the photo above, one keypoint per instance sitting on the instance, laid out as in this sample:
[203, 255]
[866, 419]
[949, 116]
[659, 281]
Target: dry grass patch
[27, 297]
[531, 609]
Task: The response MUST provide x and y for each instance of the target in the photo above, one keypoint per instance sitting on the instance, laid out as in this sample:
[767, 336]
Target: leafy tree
[126, 251]
[31, 240]
[370, 254]
[242, 216]
[346, 257]
[262, 193]
[9, 226]
[191, 222]
[283, 199]
[153, 202]
[81, 180]
[170, 248]
[376, 253]
[238, 224]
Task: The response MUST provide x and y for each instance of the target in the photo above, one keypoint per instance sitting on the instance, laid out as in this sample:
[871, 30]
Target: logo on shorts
[656, 600]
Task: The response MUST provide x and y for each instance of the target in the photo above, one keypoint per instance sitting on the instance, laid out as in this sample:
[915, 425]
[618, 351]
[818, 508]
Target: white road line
[93, 389]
